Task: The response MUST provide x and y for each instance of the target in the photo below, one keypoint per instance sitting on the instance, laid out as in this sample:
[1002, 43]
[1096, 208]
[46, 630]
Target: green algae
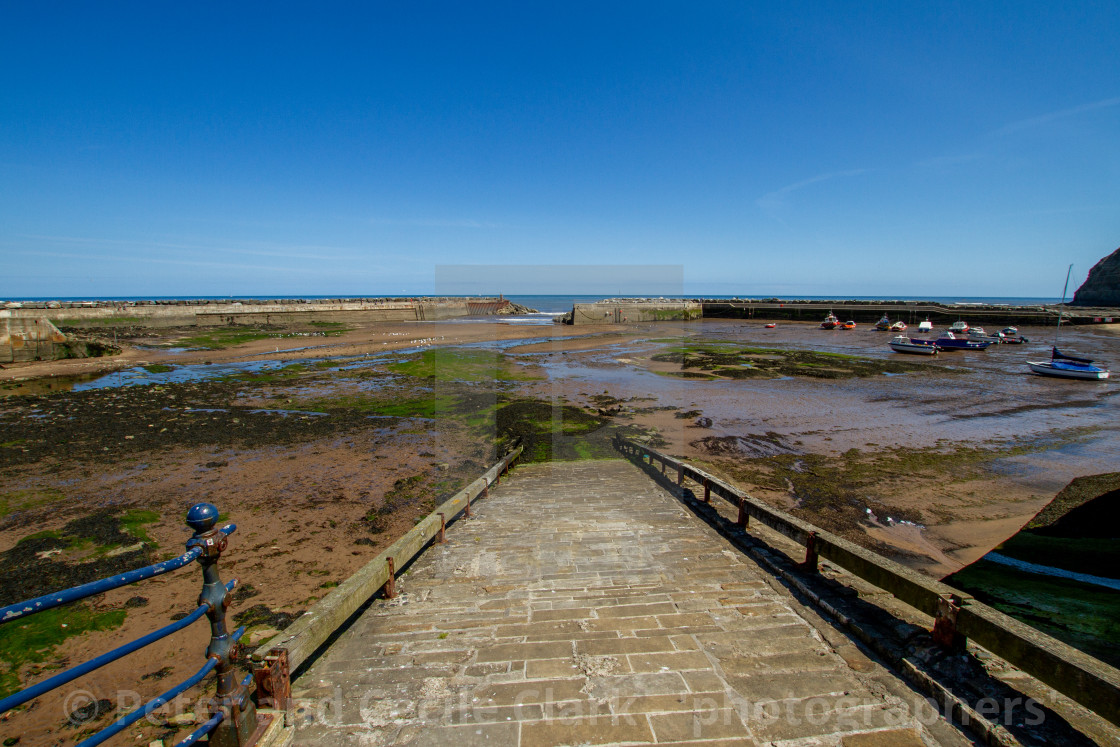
[34, 640]
[462, 364]
[731, 361]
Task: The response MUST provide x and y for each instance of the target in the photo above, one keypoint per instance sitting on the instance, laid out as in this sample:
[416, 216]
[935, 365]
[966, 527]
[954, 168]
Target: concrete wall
[286, 311]
[28, 339]
[635, 310]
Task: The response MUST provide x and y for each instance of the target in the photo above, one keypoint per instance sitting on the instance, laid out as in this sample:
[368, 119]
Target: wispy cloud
[779, 198]
[434, 223]
[941, 163]
[1030, 122]
[257, 249]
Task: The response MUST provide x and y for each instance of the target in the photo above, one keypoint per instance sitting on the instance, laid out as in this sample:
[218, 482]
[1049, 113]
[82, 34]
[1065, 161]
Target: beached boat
[830, 322]
[926, 326]
[771, 326]
[903, 344]
[848, 325]
[1063, 365]
[1064, 369]
[899, 326]
[883, 324]
[948, 341]
[959, 328]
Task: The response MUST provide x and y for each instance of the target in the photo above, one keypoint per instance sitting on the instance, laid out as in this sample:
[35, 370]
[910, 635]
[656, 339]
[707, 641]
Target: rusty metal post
[680, 475]
[810, 563]
[743, 518]
[274, 681]
[391, 583]
[707, 491]
[232, 698]
[442, 528]
[945, 632]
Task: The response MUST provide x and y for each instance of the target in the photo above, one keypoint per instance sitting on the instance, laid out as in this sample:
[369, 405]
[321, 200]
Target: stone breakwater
[630, 310]
[210, 312]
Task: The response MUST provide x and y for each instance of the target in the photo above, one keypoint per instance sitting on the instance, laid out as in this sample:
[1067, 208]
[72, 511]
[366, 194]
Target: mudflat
[323, 444]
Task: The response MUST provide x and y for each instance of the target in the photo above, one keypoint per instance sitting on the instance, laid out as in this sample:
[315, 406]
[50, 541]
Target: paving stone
[603, 615]
[887, 738]
[603, 729]
[700, 724]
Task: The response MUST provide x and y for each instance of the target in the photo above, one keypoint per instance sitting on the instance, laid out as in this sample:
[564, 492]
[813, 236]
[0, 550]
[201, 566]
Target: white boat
[899, 326]
[902, 344]
[1065, 366]
[1069, 370]
[959, 328]
[977, 332]
[926, 326]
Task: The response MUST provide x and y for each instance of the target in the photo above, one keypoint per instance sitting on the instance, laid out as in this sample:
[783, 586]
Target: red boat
[830, 322]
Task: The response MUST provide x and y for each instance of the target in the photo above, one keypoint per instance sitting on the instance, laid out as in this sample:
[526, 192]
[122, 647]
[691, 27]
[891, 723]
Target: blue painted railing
[232, 718]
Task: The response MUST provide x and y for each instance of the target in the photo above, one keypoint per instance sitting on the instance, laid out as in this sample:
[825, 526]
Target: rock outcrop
[1102, 287]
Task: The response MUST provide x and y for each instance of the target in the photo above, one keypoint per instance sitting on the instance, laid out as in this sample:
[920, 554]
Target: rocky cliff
[1102, 287]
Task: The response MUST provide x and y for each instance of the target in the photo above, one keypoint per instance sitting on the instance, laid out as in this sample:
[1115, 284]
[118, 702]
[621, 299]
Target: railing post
[743, 519]
[232, 699]
[391, 582]
[680, 475]
[945, 631]
[811, 558]
[707, 491]
[442, 528]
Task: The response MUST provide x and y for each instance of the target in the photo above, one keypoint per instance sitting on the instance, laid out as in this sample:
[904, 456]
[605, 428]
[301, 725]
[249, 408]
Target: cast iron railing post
[232, 700]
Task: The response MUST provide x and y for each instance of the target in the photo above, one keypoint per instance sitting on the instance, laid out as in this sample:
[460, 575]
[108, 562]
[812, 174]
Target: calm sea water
[560, 303]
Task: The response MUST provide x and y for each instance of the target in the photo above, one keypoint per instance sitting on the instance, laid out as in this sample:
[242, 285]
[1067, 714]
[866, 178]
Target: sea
[560, 303]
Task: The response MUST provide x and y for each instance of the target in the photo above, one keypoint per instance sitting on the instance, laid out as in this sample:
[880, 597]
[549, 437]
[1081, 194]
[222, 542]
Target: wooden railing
[1085, 679]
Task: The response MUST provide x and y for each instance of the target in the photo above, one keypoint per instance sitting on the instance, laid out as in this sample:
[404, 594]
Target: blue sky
[799, 148]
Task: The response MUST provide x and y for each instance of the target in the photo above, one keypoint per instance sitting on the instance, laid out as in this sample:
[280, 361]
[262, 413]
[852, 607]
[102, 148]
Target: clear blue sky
[814, 148]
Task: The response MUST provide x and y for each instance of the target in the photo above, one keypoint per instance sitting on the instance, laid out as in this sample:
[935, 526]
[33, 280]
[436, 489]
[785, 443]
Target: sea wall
[28, 339]
[628, 310]
[911, 312]
[211, 313]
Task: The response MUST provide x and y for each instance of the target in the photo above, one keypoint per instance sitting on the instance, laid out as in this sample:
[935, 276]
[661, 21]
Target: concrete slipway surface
[583, 604]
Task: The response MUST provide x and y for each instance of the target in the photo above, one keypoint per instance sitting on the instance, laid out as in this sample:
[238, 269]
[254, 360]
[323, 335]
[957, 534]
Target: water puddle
[1049, 570]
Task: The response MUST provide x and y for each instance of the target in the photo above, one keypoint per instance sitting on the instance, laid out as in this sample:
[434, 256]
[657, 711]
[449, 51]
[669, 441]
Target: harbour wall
[621, 311]
[212, 313]
[911, 312]
[28, 339]
[629, 310]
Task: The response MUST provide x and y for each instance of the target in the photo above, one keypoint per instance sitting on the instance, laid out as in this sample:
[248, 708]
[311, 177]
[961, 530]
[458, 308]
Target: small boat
[848, 325]
[926, 326]
[903, 344]
[899, 326]
[1063, 365]
[949, 341]
[771, 326]
[830, 322]
[959, 328]
[977, 332]
[1066, 369]
[1010, 331]
[883, 324]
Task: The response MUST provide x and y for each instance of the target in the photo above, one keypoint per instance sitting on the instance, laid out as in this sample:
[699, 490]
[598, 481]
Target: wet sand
[300, 486]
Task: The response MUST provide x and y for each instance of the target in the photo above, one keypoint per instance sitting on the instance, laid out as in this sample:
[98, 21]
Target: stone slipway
[584, 605]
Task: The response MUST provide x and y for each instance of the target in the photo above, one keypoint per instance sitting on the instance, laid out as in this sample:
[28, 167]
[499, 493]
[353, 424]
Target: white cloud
[1030, 122]
[776, 200]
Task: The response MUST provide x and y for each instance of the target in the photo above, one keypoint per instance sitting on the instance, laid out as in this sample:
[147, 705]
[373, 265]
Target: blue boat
[949, 341]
